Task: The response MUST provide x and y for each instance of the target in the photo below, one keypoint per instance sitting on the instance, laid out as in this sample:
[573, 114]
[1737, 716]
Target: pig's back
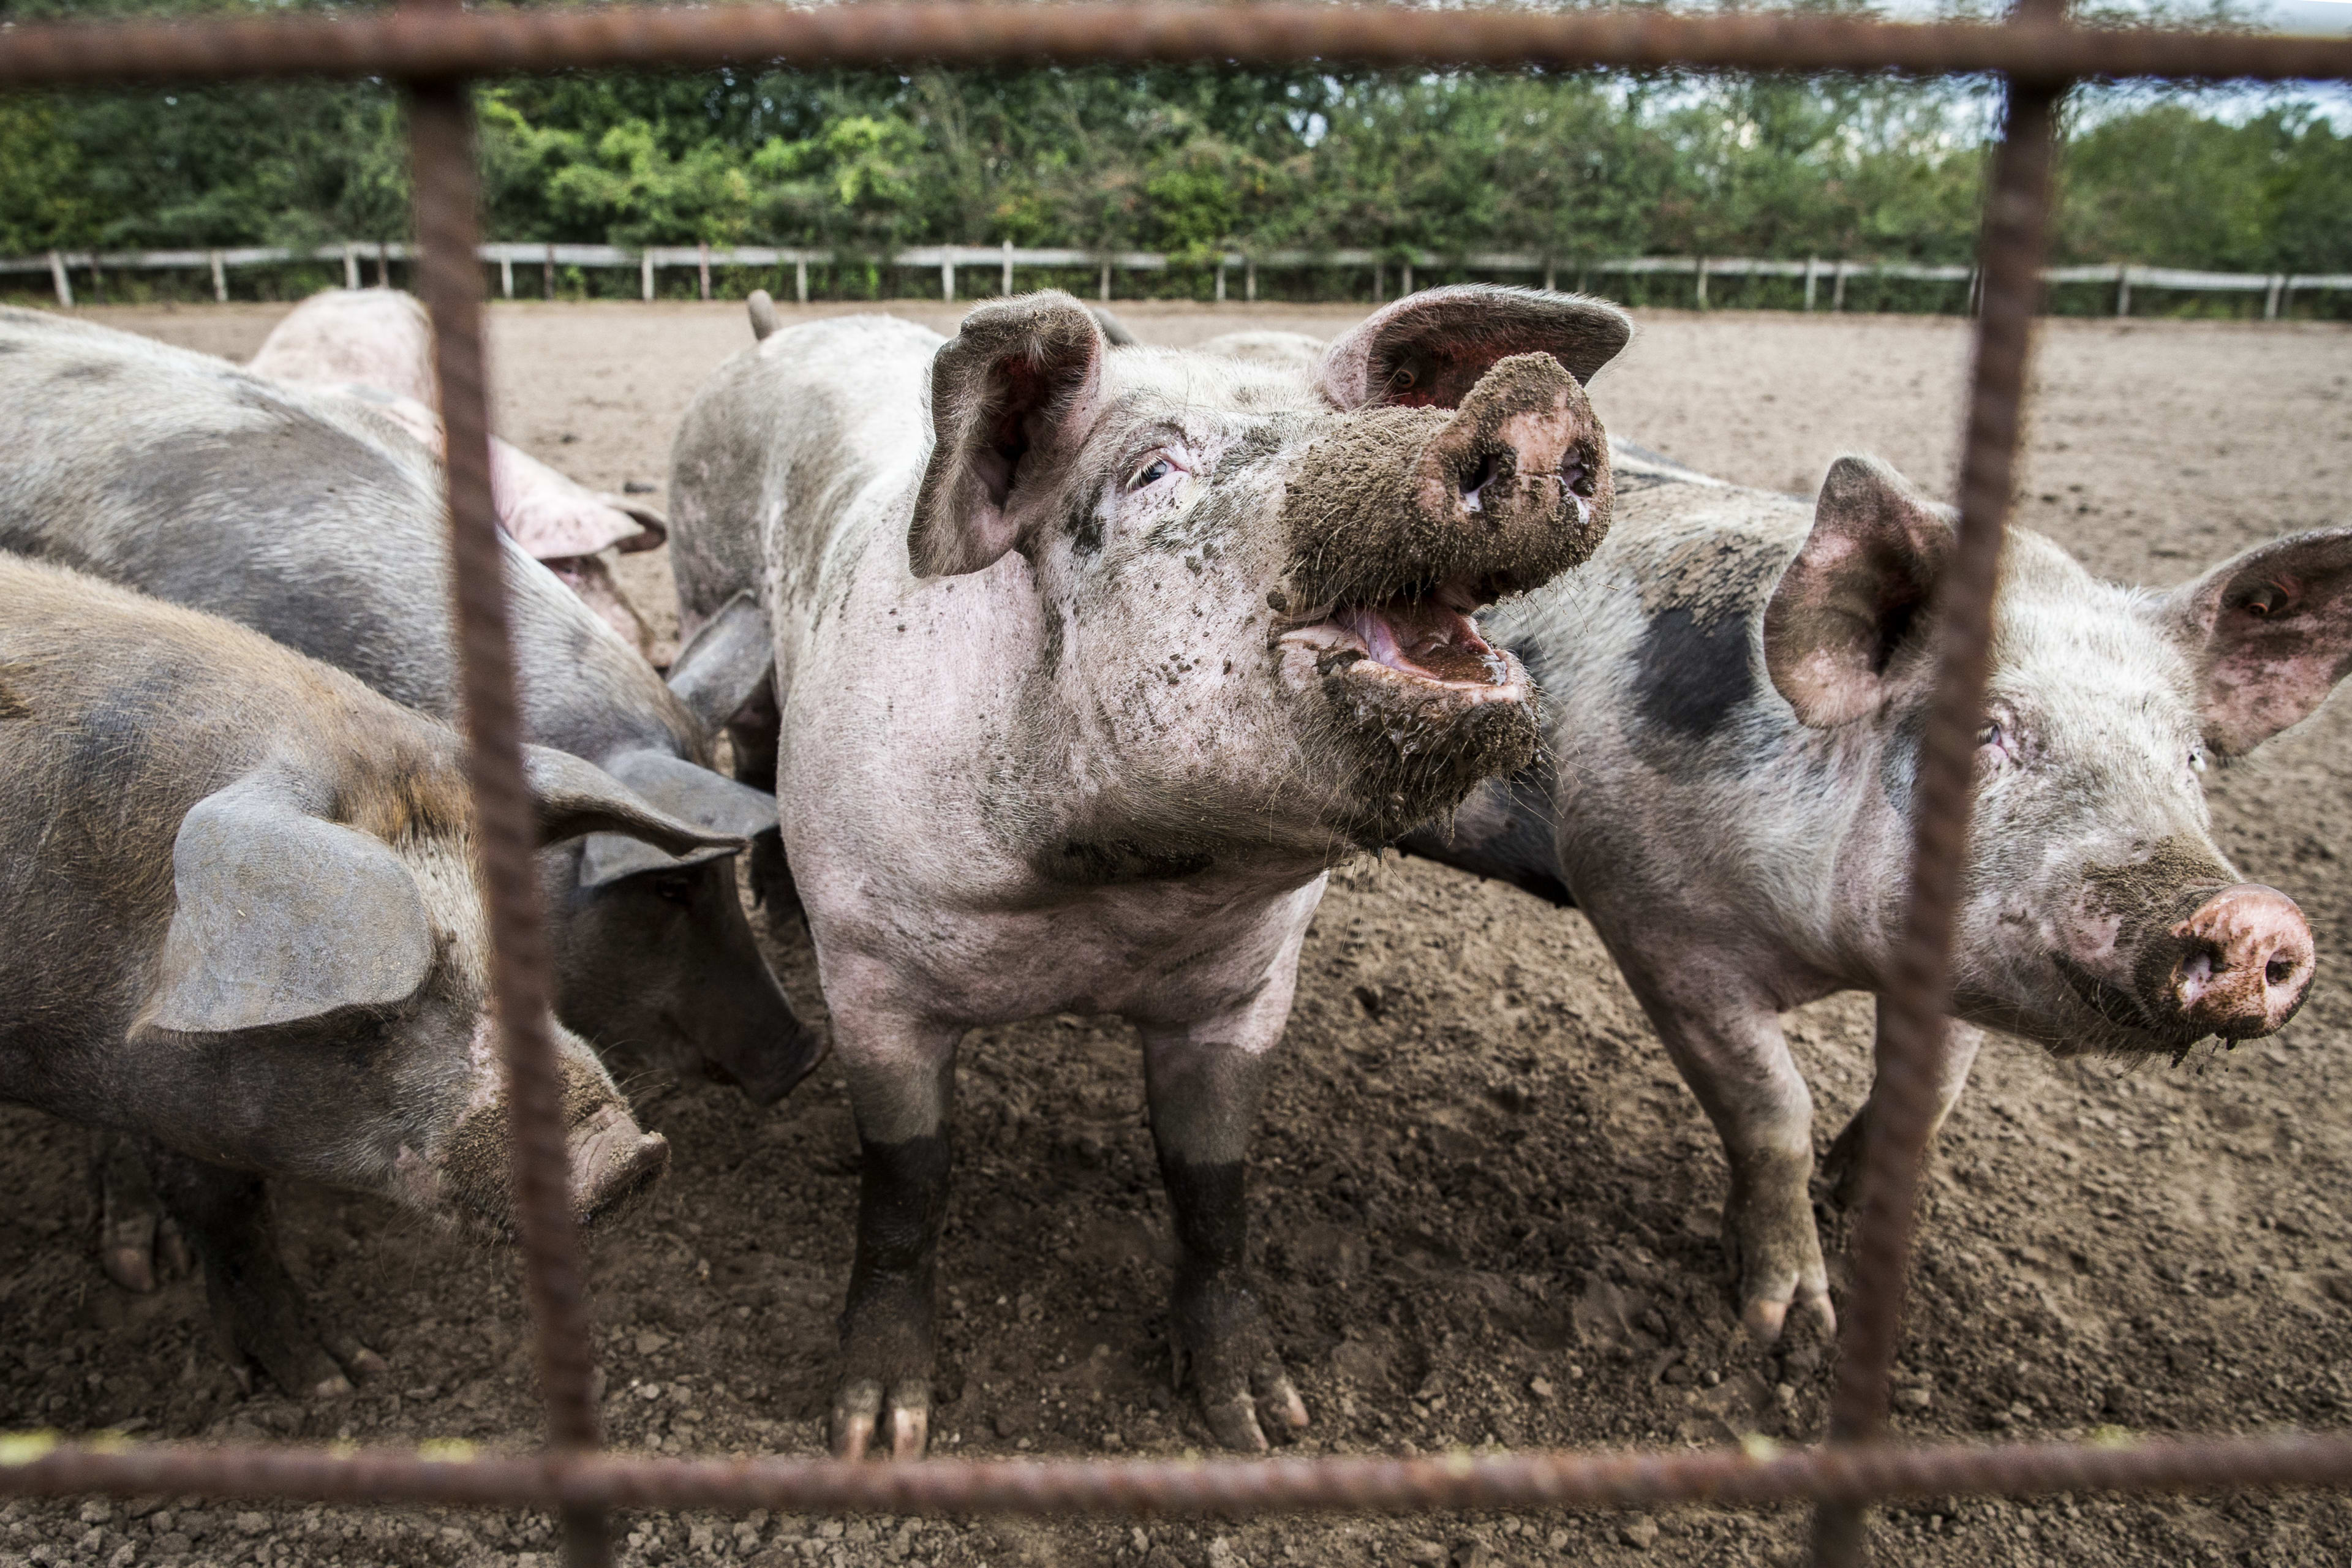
[307, 518]
[1649, 655]
[788, 452]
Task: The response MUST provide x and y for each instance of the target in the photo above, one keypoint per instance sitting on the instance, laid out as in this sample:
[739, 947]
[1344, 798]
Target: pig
[240, 923]
[1740, 687]
[318, 521]
[1093, 660]
[376, 344]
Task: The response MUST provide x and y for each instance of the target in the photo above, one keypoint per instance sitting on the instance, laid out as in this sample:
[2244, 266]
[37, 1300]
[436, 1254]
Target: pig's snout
[1521, 453]
[613, 1163]
[2237, 965]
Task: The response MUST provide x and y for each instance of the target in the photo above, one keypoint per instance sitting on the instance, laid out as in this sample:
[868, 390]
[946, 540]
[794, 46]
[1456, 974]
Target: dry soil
[1485, 1208]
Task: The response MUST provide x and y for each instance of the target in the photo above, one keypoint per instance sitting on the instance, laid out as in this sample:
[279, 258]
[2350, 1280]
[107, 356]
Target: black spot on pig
[1689, 675]
[11, 705]
[1053, 634]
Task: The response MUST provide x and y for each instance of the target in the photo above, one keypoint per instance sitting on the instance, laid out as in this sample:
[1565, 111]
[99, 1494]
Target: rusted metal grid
[436, 51]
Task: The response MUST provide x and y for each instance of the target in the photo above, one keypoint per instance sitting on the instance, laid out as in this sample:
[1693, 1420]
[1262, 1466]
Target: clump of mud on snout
[1402, 523]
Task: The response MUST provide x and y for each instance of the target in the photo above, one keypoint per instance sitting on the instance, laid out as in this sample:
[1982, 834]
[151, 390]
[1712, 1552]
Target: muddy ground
[1485, 1207]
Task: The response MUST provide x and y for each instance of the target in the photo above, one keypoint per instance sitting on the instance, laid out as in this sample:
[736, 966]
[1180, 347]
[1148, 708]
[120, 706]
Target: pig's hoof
[1775, 1255]
[1245, 1393]
[860, 1411]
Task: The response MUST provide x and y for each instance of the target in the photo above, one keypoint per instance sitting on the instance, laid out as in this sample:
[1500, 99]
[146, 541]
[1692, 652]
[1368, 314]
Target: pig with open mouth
[1088, 661]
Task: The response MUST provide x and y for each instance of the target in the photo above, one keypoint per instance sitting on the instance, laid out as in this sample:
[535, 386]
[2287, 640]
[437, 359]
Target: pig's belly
[1157, 955]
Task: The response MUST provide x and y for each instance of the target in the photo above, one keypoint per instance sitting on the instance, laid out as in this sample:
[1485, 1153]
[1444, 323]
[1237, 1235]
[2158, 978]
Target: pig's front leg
[138, 1245]
[1842, 1167]
[255, 1305]
[902, 1075]
[1726, 1041]
[1204, 1082]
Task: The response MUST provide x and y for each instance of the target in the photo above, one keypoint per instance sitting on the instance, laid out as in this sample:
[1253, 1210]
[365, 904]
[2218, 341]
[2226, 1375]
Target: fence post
[1812, 276]
[1407, 287]
[1007, 290]
[800, 278]
[2123, 288]
[351, 265]
[1837, 289]
[58, 277]
[1221, 281]
[645, 270]
[1976, 288]
[1702, 283]
[220, 280]
[1105, 281]
[1249, 279]
[1551, 277]
[506, 273]
[1380, 281]
[547, 271]
[702, 266]
[2271, 296]
[383, 265]
[947, 273]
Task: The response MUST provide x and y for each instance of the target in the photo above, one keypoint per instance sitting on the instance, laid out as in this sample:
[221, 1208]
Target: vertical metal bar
[1702, 283]
[1105, 281]
[947, 274]
[702, 266]
[1221, 281]
[1812, 277]
[220, 280]
[1911, 1041]
[1249, 281]
[1837, 290]
[449, 280]
[2123, 290]
[59, 281]
[646, 271]
[351, 265]
[1551, 275]
[547, 272]
[1404, 285]
[800, 279]
[506, 273]
[1007, 289]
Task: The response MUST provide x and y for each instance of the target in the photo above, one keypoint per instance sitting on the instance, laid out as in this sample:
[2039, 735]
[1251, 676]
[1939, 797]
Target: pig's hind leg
[1204, 1084]
[1841, 1167]
[256, 1308]
[901, 1076]
[1726, 1042]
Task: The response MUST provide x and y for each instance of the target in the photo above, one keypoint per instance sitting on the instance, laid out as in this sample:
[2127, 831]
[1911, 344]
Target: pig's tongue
[1422, 637]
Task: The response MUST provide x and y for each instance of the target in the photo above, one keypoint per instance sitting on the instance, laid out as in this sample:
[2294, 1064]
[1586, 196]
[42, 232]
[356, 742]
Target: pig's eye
[1994, 736]
[1151, 473]
[676, 887]
[2196, 759]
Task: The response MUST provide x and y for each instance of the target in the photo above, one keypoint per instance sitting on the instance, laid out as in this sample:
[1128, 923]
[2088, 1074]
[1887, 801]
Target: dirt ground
[1486, 1208]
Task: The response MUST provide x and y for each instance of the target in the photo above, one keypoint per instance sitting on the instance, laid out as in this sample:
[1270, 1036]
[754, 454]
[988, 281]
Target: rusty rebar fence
[436, 51]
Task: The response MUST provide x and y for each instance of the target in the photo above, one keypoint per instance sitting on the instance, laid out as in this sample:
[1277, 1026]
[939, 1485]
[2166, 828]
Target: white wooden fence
[2277, 289]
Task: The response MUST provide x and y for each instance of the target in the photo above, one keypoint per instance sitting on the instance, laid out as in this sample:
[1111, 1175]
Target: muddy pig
[240, 923]
[1092, 659]
[376, 344]
[318, 521]
[1740, 687]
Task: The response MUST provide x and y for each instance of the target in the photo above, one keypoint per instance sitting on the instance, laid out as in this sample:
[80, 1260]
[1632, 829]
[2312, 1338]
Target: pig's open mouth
[1429, 643]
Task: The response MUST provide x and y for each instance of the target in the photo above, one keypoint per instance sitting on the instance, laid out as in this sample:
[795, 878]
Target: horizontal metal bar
[446, 44]
[1622, 1480]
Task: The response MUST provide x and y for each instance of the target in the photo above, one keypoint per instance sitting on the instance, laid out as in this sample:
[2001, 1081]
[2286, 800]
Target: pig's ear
[1428, 350]
[2270, 633]
[280, 916]
[726, 660]
[576, 798]
[679, 789]
[1839, 632]
[1010, 396]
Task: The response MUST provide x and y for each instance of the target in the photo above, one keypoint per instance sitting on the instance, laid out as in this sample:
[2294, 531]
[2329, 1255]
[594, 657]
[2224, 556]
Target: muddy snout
[613, 1163]
[1465, 504]
[2235, 962]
